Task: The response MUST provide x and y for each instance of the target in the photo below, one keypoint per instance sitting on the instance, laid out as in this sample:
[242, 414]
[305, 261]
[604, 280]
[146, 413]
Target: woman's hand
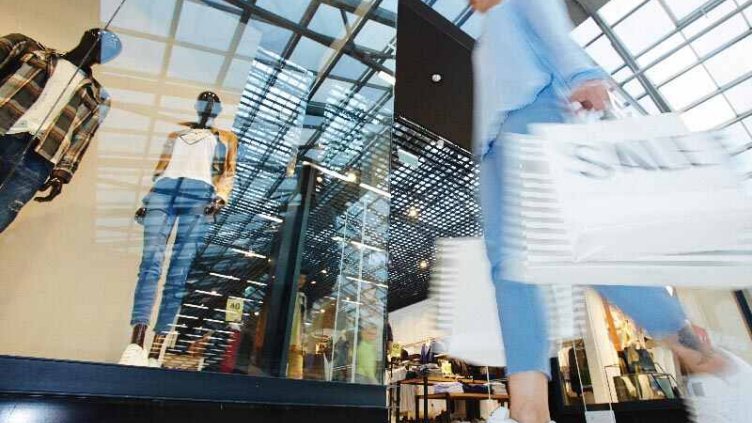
[592, 95]
[483, 6]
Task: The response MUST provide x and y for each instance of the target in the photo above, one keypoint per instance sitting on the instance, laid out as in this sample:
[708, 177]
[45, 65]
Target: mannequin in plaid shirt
[50, 108]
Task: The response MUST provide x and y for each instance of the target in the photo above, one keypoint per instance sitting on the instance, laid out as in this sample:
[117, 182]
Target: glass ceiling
[686, 56]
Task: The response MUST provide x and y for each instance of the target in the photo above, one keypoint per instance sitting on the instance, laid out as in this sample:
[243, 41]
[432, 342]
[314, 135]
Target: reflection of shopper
[50, 108]
[526, 70]
[194, 178]
[367, 357]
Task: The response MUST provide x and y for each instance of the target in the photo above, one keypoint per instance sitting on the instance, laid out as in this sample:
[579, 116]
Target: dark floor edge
[69, 378]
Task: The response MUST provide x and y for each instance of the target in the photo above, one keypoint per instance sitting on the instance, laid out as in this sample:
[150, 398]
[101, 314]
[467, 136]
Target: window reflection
[202, 269]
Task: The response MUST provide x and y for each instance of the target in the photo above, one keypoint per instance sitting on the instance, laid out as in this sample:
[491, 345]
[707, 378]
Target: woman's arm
[550, 25]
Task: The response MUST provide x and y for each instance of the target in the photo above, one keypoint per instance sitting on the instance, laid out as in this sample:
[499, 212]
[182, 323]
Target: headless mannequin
[208, 107]
[97, 46]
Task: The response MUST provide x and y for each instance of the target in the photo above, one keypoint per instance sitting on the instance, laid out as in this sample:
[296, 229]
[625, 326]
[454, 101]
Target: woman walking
[528, 70]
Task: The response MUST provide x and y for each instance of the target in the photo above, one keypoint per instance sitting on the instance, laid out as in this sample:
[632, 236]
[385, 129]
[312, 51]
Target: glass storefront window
[223, 177]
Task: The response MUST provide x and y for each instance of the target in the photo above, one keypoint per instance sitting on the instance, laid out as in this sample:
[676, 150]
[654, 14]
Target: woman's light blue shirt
[525, 46]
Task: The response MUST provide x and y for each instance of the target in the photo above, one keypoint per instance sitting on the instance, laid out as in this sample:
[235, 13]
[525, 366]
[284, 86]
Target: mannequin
[192, 183]
[40, 90]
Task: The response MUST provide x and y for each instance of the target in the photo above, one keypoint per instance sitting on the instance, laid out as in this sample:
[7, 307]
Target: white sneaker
[153, 362]
[134, 355]
[724, 398]
[501, 415]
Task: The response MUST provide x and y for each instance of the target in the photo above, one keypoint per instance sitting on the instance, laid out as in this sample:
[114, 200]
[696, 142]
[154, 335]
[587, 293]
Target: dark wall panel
[428, 44]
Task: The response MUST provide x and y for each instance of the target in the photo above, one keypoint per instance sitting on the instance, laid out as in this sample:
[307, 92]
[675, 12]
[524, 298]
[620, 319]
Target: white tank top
[192, 156]
[56, 94]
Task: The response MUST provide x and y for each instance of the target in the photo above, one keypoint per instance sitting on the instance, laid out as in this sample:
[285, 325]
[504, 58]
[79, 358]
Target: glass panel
[740, 97]
[617, 9]
[605, 55]
[720, 35]
[682, 8]
[672, 65]
[644, 27]
[689, 87]
[709, 114]
[586, 32]
[732, 63]
[473, 26]
[230, 210]
[450, 9]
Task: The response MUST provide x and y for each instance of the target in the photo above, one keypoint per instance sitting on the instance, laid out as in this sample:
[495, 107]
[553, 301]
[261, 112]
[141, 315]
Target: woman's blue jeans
[171, 201]
[521, 307]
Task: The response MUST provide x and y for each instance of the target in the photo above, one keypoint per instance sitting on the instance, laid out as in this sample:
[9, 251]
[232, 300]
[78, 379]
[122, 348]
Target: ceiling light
[423, 264]
[248, 254]
[324, 272]
[313, 282]
[408, 158]
[219, 275]
[256, 313]
[200, 307]
[212, 293]
[256, 283]
[413, 212]
[270, 218]
[187, 317]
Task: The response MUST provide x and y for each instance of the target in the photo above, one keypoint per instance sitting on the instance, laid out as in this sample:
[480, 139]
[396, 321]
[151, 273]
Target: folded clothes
[475, 389]
[448, 387]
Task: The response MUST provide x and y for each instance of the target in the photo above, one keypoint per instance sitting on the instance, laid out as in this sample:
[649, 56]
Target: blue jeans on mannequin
[22, 174]
[521, 308]
[171, 201]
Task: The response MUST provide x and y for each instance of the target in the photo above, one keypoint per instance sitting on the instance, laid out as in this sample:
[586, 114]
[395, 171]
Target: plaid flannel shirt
[25, 67]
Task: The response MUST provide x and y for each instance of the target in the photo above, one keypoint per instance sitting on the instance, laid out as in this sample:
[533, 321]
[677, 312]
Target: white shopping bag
[466, 309]
[645, 185]
[466, 302]
[638, 201]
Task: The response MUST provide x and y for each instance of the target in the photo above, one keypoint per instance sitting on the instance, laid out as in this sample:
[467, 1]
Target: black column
[286, 271]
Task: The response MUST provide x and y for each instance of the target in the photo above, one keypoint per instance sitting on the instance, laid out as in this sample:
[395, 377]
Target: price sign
[234, 309]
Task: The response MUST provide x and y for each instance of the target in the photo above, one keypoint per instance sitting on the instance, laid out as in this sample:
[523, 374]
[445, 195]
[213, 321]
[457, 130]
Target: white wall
[414, 323]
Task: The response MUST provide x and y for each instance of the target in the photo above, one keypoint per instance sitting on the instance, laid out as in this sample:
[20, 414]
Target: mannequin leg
[138, 335]
[22, 173]
[158, 224]
[192, 225]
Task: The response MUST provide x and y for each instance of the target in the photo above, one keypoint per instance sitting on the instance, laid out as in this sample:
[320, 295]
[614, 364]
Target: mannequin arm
[54, 184]
[215, 207]
[164, 159]
[13, 46]
[227, 178]
[70, 161]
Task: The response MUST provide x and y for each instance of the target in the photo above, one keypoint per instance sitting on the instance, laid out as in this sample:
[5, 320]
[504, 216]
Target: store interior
[308, 250]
